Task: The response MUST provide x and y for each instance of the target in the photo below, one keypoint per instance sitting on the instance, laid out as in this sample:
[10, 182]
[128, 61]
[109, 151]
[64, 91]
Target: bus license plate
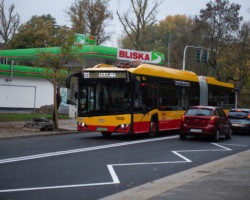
[101, 129]
[195, 130]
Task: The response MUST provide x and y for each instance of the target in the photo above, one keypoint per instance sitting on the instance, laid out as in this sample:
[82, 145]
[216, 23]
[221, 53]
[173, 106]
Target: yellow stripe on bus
[112, 120]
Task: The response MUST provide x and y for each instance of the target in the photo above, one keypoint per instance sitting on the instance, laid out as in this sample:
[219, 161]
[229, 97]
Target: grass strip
[26, 117]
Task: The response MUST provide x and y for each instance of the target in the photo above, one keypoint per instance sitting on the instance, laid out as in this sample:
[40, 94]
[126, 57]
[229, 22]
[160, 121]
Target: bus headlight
[123, 128]
[125, 125]
[81, 123]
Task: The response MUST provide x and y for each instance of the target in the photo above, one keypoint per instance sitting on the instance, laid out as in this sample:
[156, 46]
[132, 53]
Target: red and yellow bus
[142, 99]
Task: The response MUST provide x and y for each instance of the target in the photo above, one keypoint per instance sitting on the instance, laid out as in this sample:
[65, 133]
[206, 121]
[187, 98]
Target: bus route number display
[104, 75]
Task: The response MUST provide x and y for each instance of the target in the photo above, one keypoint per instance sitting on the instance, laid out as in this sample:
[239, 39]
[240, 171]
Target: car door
[224, 122]
[218, 119]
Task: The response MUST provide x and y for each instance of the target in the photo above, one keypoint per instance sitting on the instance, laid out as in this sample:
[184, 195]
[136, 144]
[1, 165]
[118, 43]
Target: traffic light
[198, 55]
[205, 57]
[237, 90]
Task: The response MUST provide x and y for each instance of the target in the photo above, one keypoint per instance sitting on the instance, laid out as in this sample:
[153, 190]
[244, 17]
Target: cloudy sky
[58, 8]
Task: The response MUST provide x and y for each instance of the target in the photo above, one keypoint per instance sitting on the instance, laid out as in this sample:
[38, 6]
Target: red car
[205, 120]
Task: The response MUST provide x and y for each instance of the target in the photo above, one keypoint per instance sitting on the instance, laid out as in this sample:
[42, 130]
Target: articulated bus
[142, 99]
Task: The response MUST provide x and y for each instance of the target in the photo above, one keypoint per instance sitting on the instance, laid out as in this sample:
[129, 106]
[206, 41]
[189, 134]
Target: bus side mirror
[68, 80]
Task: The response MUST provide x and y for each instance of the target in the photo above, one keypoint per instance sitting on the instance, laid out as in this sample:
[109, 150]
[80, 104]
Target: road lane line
[181, 156]
[113, 174]
[56, 187]
[58, 153]
[216, 144]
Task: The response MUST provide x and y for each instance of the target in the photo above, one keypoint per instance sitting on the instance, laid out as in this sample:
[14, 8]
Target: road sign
[237, 90]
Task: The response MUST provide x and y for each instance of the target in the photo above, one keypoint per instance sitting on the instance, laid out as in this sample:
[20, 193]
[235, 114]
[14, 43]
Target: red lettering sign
[121, 54]
[146, 57]
[126, 54]
[135, 55]
[141, 56]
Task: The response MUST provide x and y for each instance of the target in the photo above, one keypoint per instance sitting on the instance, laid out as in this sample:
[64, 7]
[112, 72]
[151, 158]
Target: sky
[57, 8]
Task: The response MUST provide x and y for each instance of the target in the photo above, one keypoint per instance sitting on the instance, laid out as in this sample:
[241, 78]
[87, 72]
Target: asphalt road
[88, 166]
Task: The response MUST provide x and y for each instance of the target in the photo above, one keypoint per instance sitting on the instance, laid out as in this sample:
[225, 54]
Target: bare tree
[9, 22]
[91, 16]
[137, 26]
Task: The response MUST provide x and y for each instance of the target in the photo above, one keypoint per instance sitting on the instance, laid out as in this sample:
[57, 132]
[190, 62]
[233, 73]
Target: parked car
[240, 120]
[205, 121]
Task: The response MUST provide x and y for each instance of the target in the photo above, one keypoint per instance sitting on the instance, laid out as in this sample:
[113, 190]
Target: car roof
[204, 107]
[239, 110]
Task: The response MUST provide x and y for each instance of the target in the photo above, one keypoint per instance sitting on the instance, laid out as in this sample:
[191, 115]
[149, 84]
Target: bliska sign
[143, 56]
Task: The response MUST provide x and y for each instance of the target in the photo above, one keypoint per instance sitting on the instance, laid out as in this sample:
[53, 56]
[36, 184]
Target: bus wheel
[153, 129]
[106, 134]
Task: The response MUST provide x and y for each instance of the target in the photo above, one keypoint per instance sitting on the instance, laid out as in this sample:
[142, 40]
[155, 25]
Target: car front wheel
[217, 136]
[183, 136]
[229, 134]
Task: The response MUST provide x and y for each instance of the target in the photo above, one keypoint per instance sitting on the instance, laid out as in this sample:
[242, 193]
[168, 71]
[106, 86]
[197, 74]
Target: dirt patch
[8, 129]
[44, 110]
[13, 129]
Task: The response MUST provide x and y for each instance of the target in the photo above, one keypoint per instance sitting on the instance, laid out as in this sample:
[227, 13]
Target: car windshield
[199, 112]
[104, 97]
[238, 114]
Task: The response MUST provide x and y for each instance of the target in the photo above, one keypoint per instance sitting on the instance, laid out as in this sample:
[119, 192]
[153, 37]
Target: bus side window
[140, 96]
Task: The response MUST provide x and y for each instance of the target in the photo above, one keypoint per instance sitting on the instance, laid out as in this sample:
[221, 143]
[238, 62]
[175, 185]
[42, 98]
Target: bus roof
[165, 72]
[213, 81]
[153, 70]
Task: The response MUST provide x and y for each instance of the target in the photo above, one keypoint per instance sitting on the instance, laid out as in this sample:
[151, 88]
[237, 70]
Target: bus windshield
[102, 96]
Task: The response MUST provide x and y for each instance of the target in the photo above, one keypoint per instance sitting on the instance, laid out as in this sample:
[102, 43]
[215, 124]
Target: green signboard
[85, 39]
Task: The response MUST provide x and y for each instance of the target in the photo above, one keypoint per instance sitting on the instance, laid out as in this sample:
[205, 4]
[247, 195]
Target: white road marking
[56, 187]
[59, 153]
[221, 146]
[181, 156]
[115, 179]
[236, 145]
[113, 174]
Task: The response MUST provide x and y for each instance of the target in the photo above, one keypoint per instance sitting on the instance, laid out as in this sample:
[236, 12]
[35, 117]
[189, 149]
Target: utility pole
[169, 46]
[236, 92]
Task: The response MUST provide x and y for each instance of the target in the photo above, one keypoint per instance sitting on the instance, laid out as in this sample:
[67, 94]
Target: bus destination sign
[104, 75]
